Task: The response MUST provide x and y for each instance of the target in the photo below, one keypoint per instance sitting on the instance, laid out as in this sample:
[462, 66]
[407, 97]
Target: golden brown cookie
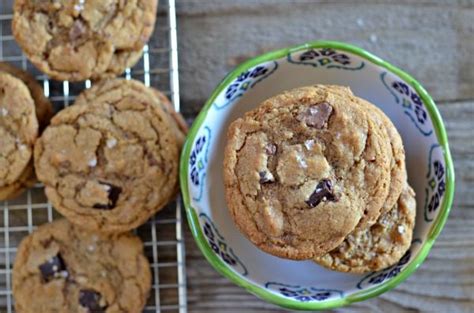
[398, 172]
[18, 132]
[110, 161]
[303, 168]
[43, 111]
[77, 40]
[180, 127]
[380, 246]
[43, 107]
[63, 268]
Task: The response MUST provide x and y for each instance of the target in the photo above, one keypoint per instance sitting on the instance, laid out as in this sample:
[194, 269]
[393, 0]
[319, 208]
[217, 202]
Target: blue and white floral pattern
[218, 244]
[198, 160]
[436, 182]
[304, 294]
[379, 277]
[410, 101]
[325, 57]
[244, 82]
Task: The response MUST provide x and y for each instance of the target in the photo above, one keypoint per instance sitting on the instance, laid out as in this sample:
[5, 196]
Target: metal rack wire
[163, 234]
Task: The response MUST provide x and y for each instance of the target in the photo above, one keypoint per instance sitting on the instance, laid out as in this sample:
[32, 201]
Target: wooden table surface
[432, 40]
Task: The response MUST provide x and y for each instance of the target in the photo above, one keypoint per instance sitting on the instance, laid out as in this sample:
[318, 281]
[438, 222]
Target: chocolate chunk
[77, 30]
[316, 116]
[90, 299]
[113, 194]
[271, 149]
[53, 268]
[323, 192]
[266, 177]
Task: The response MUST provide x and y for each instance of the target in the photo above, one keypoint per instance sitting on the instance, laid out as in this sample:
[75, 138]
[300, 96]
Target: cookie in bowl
[303, 168]
[380, 246]
[110, 161]
[79, 40]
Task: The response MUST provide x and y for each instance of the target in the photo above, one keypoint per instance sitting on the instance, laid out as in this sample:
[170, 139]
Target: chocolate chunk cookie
[110, 161]
[303, 168]
[18, 132]
[380, 246]
[77, 40]
[63, 268]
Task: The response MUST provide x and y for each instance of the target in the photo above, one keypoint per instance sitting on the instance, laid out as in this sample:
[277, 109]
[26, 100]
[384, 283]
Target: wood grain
[432, 40]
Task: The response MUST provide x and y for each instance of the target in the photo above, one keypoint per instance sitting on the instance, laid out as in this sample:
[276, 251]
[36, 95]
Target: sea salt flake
[301, 161]
[401, 229]
[93, 162]
[79, 7]
[111, 143]
[309, 144]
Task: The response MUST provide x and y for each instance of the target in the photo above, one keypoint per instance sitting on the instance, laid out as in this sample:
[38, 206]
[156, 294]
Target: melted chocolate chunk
[53, 268]
[113, 194]
[90, 299]
[270, 149]
[77, 30]
[323, 192]
[316, 116]
[266, 177]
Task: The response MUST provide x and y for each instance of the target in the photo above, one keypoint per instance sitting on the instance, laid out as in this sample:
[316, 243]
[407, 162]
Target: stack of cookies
[108, 163]
[317, 173]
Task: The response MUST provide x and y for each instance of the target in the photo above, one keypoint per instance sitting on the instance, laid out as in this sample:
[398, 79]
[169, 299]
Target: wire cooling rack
[163, 234]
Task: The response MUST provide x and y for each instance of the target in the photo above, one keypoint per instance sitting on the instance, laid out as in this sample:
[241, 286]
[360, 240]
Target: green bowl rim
[263, 293]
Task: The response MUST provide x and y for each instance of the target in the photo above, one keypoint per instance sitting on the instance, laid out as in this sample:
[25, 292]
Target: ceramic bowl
[303, 284]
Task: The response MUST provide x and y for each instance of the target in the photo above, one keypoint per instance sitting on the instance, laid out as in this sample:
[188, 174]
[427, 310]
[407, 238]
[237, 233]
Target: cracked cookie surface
[79, 40]
[303, 168]
[110, 161]
[18, 132]
[62, 268]
[380, 246]
[43, 107]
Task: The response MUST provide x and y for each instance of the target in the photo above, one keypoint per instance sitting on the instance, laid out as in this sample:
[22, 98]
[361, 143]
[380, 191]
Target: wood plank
[444, 283]
[432, 40]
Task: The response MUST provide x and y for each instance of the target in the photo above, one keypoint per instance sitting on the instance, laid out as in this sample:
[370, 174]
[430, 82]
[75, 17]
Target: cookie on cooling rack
[77, 40]
[19, 128]
[18, 132]
[180, 127]
[43, 107]
[110, 161]
[63, 268]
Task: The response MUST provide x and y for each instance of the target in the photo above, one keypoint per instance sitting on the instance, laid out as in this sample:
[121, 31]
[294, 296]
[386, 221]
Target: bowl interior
[291, 282]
